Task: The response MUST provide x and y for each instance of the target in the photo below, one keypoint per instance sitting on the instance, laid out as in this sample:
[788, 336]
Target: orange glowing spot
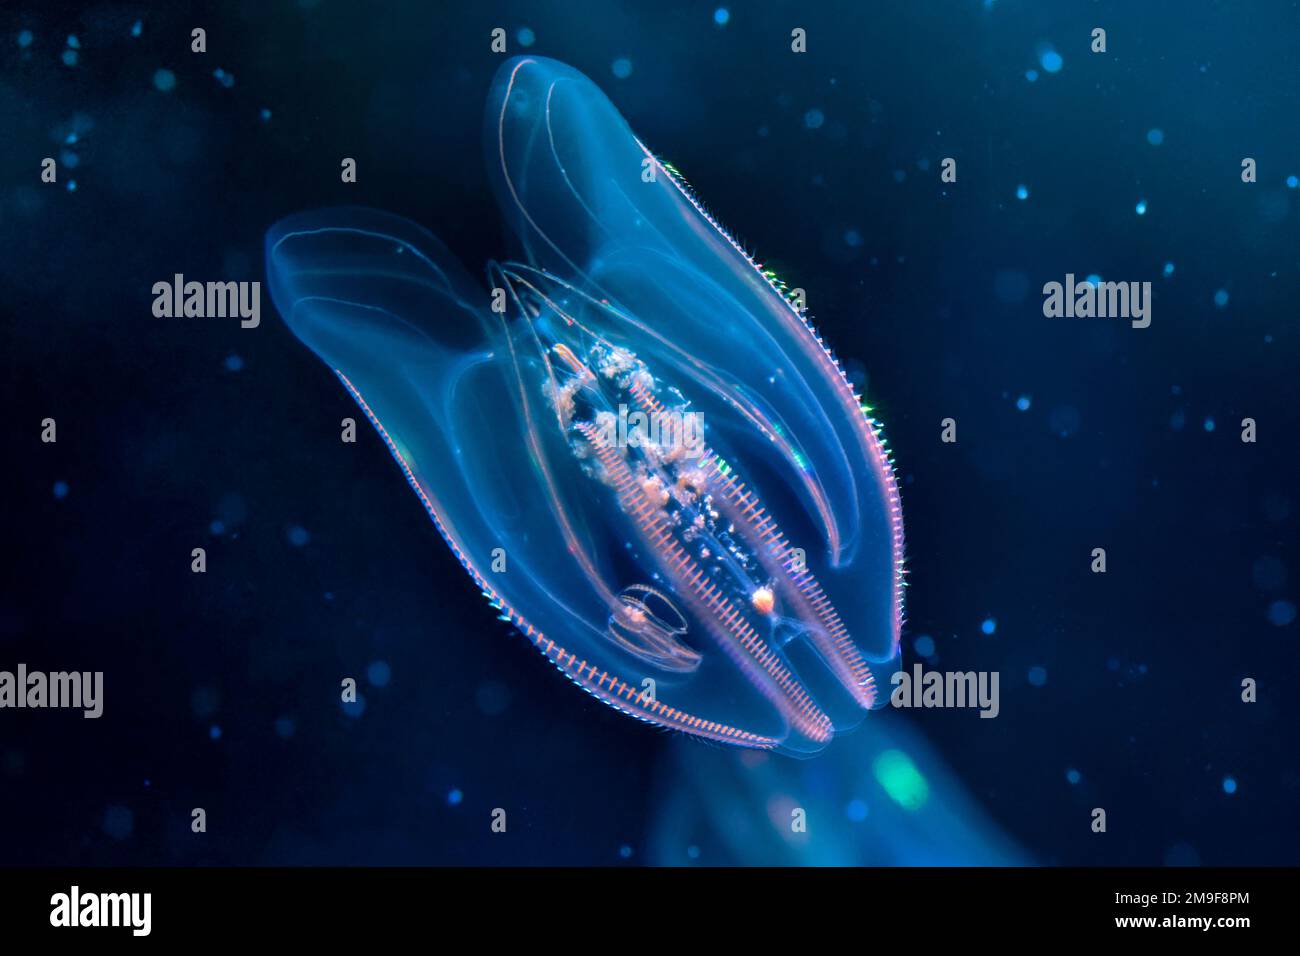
[763, 600]
[655, 491]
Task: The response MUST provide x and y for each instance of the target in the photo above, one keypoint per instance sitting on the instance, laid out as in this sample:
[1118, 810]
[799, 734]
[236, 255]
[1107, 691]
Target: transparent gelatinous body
[634, 443]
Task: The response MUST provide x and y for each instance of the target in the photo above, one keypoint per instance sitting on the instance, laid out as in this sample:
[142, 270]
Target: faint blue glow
[1169, 269]
[217, 528]
[214, 732]
[492, 697]
[69, 159]
[285, 727]
[298, 536]
[1268, 573]
[814, 119]
[856, 811]
[1155, 136]
[164, 80]
[853, 238]
[379, 673]
[526, 36]
[25, 38]
[72, 185]
[622, 67]
[1011, 286]
[1281, 613]
[225, 79]
[232, 508]
[625, 852]
[1229, 785]
[1221, 298]
[989, 626]
[924, 645]
[1141, 207]
[1073, 776]
[1094, 280]
[1023, 403]
[119, 821]
[204, 702]
[1051, 61]
[1292, 182]
[693, 852]
[1038, 676]
[137, 28]
[1064, 421]
[233, 363]
[69, 57]
[73, 42]
[454, 797]
[1208, 424]
[1031, 76]
[60, 490]
[264, 114]
[721, 16]
[354, 708]
[1177, 420]
[1022, 192]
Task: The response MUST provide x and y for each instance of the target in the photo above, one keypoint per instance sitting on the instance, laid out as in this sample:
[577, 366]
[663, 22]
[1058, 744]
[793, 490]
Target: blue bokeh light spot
[1281, 613]
[379, 673]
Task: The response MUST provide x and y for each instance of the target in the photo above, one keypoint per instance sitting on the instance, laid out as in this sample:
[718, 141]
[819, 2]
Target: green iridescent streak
[899, 777]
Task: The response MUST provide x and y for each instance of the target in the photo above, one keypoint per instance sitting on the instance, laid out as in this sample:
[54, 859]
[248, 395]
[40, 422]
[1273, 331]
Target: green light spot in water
[899, 777]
